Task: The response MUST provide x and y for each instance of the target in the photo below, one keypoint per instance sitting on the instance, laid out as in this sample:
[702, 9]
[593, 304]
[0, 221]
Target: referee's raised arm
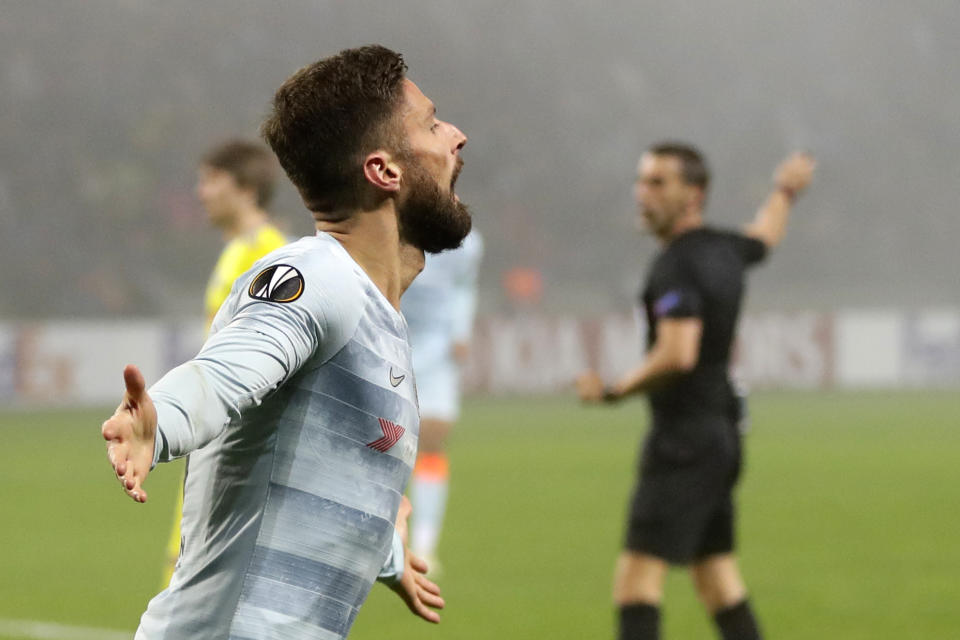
[791, 178]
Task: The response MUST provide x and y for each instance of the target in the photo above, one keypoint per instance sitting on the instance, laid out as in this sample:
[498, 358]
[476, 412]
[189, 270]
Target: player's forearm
[790, 179]
[770, 224]
[660, 366]
[191, 410]
[198, 399]
[237, 368]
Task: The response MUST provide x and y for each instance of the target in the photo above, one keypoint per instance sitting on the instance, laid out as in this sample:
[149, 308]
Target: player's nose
[459, 137]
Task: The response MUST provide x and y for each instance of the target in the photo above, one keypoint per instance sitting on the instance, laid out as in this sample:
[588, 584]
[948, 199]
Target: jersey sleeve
[280, 318]
[750, 250]
[675, 295]
[392, 569]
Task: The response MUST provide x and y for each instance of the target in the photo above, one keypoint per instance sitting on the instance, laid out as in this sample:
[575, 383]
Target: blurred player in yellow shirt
[235, 182]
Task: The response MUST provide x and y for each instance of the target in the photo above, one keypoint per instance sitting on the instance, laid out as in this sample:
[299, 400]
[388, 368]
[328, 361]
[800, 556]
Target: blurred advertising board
[541, 354]
[80, 362]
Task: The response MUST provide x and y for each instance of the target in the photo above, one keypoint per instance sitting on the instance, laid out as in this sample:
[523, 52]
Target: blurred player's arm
[465, 297]
[790, 179]
[405, 573]
[675, 352]
[237, 368]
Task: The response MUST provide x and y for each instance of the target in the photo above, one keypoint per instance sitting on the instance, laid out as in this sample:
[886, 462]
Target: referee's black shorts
[682, 508]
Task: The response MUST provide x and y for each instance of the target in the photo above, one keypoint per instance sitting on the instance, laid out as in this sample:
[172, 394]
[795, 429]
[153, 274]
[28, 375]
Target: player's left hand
[590, 387]
[421, 595]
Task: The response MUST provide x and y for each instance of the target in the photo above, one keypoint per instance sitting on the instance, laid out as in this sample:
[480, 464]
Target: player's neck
[245, 222]
[372, 238]
[688, 222]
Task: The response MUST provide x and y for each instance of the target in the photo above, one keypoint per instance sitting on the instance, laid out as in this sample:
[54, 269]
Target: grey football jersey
[300, 420]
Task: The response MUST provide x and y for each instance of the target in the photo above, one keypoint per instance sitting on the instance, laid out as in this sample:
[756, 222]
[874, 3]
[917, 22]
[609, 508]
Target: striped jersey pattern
[289, 508]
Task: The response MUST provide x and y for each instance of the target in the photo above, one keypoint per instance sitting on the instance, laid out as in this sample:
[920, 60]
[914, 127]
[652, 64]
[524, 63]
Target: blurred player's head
[352, 131]
[233, 177]
[671, 186]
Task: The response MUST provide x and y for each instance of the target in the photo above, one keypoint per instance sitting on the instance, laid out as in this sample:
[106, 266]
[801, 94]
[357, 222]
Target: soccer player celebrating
[235, 182]
[682, 510]
[439, 307]
[300, 443]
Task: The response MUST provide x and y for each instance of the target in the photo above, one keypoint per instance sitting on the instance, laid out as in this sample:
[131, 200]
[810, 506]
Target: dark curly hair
[328, 115]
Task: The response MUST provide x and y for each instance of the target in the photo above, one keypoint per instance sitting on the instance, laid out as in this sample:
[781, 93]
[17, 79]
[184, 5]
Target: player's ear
[699, 198]
[382, 171]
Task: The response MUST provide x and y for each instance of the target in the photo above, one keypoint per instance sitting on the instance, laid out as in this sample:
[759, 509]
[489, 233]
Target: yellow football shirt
[235, 259]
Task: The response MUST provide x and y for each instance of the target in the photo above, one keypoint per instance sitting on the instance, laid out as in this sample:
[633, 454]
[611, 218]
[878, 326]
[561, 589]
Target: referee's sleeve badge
[667, 303]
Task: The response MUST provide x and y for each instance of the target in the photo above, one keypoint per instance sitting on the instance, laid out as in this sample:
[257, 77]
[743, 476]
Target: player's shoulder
[697, 243]
[708, 247]
[685, 252]
[705, 234]
[723, 233]
[310, 250]
[314, 270]
[746, 247]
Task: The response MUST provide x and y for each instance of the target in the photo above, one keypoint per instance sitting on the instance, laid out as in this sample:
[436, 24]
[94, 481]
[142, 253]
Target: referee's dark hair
[693, 167]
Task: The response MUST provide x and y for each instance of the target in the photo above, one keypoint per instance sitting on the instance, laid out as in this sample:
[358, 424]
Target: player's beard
[659, 222]
[430, 219]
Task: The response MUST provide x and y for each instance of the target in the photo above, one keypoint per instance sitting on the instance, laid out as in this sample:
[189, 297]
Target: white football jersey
[300, 420]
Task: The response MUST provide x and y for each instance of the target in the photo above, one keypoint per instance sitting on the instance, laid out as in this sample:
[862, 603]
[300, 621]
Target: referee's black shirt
[700, 274]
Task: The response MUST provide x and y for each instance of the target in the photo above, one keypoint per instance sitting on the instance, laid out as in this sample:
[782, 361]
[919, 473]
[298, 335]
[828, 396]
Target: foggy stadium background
[106, 106]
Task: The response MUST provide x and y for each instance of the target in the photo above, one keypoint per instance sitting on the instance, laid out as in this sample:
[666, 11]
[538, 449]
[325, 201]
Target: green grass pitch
[848, 523]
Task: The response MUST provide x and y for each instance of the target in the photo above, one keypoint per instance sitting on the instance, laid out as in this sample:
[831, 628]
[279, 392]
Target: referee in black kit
[682, 509]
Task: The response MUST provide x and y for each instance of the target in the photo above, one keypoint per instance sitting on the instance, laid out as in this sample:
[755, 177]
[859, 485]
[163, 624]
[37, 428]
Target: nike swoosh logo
[395, 380]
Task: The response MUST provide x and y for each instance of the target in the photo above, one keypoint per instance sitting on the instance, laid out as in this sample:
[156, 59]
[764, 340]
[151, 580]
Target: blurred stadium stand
[105, 106]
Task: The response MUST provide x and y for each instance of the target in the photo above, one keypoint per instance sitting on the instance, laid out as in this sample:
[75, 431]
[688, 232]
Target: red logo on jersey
[391, 434]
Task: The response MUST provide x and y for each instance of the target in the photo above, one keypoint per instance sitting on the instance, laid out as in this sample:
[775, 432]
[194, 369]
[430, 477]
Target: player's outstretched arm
[130, 433]
[791, 178]
[421, 595]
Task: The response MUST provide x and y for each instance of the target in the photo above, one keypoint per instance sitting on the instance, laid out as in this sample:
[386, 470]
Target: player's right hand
[130, 434]
[795, 173]
[590, 387]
